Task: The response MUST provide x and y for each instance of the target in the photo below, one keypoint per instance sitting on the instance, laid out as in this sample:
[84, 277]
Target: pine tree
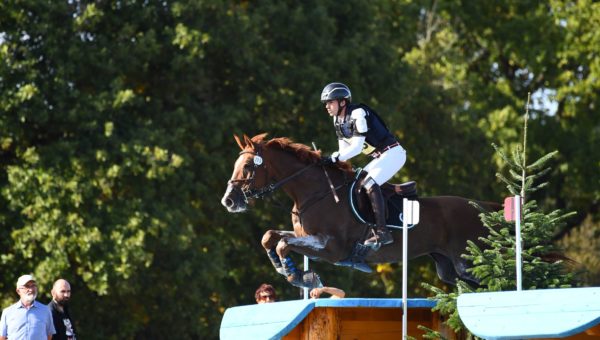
[494, 265]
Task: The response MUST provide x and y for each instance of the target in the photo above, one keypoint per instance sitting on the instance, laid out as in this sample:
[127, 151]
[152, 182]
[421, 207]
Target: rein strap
[259, 193]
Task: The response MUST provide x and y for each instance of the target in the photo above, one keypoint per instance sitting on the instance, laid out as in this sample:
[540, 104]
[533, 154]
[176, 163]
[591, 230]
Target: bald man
[61, 293]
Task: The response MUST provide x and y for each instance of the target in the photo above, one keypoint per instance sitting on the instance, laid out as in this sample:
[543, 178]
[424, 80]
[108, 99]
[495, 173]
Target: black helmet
[336, 91]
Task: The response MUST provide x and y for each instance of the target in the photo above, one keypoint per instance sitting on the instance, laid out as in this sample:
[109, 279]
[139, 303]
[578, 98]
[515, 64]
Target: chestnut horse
[328, 230]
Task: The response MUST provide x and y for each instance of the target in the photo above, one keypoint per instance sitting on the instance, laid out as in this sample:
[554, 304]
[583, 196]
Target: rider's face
[332, 107]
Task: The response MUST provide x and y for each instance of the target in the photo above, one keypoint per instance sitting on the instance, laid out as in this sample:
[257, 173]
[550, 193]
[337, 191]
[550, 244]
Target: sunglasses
[266, 297]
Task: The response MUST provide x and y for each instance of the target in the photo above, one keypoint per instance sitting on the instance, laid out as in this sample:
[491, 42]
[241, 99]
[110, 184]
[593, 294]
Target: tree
[494, 264]
[116, 123]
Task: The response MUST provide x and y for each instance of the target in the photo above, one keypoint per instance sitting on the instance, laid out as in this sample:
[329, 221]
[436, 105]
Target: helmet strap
[340, 107]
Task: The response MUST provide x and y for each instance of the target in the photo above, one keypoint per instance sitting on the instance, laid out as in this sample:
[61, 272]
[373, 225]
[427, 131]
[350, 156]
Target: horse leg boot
[382, 235]
[275, 261]
[295, 276]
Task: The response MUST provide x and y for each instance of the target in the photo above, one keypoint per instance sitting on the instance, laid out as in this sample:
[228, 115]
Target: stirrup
[378, 239]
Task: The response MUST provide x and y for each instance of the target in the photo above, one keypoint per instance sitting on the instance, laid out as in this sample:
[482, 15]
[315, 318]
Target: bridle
[248, 183]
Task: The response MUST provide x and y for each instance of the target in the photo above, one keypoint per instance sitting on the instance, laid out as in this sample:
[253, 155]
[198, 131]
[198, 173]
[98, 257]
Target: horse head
[249, 177]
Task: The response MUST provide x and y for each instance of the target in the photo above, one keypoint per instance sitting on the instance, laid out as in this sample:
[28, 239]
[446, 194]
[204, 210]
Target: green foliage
[116, 120]
[493, 259]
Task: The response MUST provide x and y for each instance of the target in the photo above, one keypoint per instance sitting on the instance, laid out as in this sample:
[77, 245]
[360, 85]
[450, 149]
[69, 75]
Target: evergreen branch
[540, 173]
[515, 175]
[541, 161]
[509, 184]
[503, 156]
[518, 158]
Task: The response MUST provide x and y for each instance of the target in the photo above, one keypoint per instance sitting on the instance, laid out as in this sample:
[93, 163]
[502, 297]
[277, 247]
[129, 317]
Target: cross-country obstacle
[348, 318]
[572, 313]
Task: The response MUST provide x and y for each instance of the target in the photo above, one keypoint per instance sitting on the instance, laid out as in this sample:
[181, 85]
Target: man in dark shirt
[61, 293]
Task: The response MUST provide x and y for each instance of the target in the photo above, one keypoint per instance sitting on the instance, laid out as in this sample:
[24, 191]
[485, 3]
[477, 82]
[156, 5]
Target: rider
[359, 128]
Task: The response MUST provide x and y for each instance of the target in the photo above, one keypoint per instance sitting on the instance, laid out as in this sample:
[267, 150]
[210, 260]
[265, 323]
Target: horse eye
[247, 170]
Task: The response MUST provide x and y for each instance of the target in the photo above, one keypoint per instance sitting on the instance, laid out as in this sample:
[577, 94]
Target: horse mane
[303, 152]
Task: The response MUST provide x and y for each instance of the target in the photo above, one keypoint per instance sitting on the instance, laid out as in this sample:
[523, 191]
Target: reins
[261, 192]
[250, 193]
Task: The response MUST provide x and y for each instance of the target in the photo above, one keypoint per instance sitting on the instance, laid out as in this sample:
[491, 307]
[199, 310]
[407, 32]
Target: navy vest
[377, 134]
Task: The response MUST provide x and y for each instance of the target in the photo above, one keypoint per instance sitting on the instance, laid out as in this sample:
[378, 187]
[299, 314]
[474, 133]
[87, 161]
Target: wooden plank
[322, 323]
[378, 330]
[547, 313]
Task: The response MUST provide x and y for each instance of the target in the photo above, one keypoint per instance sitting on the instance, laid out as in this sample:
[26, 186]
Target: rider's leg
[380, 170]
[382, 235]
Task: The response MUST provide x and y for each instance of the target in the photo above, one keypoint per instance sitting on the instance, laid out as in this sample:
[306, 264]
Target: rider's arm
[353, 146]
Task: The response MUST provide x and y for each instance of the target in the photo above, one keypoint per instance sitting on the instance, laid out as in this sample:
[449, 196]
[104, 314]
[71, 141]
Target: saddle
[361, 208]
[393, 195]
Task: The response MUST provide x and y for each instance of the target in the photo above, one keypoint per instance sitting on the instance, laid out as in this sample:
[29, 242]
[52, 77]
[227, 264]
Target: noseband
[249, 192]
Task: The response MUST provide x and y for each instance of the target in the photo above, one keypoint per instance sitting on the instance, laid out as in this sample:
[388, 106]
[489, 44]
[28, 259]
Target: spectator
[63, 323]
[265, 294]
[335, 293]
[27, 318]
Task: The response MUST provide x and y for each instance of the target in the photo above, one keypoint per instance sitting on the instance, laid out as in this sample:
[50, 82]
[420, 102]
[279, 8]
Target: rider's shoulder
[358, 112]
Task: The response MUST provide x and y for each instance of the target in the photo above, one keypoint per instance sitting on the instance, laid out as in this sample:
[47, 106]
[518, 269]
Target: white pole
[404, 271]
[305, 269]
[518, 246]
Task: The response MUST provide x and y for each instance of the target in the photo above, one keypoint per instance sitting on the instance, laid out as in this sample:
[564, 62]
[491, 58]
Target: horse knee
[269, 239]
[282, 248]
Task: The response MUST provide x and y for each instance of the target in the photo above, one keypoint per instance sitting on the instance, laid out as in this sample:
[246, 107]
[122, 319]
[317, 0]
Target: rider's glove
[327, 160]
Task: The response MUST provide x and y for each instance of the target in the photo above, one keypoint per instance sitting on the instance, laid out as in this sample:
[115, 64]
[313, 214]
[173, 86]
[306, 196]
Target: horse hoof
[307, 279]
[311, 280]
[363, 267]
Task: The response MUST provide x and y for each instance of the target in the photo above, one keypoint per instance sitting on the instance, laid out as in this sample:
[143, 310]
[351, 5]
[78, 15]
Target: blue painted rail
[544, 313]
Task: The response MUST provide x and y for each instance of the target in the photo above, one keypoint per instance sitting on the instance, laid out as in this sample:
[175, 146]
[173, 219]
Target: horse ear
[238, 141]
[248, 142]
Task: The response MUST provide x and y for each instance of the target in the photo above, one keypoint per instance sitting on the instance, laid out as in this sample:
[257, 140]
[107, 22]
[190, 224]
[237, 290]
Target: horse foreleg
[295, 276]
[269, 242]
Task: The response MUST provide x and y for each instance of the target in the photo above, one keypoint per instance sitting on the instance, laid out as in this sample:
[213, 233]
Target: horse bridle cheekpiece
[248, 182]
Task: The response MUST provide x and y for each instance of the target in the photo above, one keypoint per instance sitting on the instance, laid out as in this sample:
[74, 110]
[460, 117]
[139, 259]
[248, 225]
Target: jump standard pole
[410, 216]
[305, 267]
[512, 212]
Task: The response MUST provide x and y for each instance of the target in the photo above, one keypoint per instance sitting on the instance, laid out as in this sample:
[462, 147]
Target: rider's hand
[327, 160]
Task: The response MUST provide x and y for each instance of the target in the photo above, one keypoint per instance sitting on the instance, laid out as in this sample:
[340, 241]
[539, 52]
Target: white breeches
[387, 165]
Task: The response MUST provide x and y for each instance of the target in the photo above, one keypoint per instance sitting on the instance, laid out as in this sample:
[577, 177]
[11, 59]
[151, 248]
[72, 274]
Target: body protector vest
[377, 136]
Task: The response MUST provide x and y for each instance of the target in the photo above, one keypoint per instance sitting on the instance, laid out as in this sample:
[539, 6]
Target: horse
[324, 226]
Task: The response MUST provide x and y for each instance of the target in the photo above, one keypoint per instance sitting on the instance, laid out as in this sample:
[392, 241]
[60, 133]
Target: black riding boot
[382, 235]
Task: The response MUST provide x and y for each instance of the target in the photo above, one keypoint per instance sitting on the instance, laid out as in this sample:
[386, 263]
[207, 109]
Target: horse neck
[282, 165]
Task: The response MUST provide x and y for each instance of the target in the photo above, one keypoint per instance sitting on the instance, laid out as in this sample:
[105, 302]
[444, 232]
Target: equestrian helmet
[336, 91]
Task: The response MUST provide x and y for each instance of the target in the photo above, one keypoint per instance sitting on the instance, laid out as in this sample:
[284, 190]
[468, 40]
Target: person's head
[265, 294]
[61, 292]
[336, 96]
[27, 289]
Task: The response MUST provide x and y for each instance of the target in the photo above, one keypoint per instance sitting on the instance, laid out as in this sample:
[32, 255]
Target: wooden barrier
[572, 313]
[351, 318]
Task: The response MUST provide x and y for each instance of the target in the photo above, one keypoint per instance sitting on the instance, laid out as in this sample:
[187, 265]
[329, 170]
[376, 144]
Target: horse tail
[555, 256]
